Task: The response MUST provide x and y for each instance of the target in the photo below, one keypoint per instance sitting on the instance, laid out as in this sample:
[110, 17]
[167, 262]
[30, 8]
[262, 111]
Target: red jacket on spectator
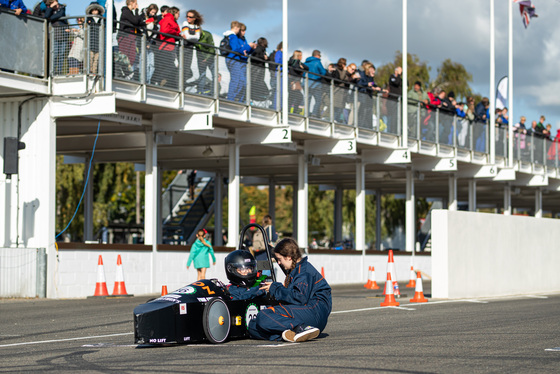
[168, 25]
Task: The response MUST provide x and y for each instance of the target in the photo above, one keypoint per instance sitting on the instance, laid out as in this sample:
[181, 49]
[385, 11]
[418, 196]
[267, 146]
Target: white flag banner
[502, 93]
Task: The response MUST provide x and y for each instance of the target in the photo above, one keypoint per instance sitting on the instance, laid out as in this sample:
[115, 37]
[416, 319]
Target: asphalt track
[514, 334]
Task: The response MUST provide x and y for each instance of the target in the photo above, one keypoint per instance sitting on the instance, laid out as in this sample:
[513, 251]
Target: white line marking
[474, 301]
[278, 345]
[65, 340]
[537, 296]
[403, 308]
[557, 349]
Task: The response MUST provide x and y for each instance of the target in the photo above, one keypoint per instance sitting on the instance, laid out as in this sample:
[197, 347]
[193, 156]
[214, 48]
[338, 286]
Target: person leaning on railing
[151, 21]
[93, 26]
[16, 5]
[166, 56]
[131, 23]
[296, 69]
[55, 14]
[238, 64]
[367, 88]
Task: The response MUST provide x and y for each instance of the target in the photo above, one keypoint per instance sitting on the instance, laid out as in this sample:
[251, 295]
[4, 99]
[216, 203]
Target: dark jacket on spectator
[130, 22]
[259, 53]
[479, 112]
[94, 24]
[363, 83]
[395, 85]
[296, 67]
[54, 16]
[40, 9]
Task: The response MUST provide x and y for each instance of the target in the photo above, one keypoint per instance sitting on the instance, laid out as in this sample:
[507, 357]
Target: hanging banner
[502, 93]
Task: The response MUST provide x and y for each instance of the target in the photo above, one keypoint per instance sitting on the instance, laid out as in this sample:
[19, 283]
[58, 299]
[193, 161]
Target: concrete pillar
[507, 199]
[472, 195]
[410, 205]
[233, 196]
[302, 203]
[151, 208]
[294, 212]
[360, 239]
[538, 203]
[272, 199]
[218, 216]
[452, 192]
[338, 198]
[378, 220]
[88, 201]
[151, 198]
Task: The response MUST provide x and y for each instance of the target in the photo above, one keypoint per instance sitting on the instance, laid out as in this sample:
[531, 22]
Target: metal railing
[199, 69]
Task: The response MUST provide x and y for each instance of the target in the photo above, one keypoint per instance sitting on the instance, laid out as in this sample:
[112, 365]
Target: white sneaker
[300, 334]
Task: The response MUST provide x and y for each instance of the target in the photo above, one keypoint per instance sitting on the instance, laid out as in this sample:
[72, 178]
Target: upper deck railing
[177, 66]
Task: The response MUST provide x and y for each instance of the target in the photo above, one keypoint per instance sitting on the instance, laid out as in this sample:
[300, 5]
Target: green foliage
[417, 70]
[453, 76]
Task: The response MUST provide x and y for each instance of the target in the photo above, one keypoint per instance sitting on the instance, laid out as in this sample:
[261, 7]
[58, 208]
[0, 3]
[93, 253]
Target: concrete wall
[479, 254]
[75, 272]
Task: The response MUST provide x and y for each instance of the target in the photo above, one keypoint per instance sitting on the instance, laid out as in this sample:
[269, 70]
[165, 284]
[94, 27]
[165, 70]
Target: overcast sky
[438, 29]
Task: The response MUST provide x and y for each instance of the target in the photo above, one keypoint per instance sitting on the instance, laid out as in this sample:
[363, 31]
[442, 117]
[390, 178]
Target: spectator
[54, 13]
[166, 59]
[199, 252]
[540, 129]
[259, 242]
[278, 56]
[353, 78]
[151, 20]
[520, 134]
[16, 5]
[340, 86]
[206, 60]
[548, 131]
[93, 28]
[417, 99]
[40, 9]
[272, 69]
[259, 89]
[362, 67]
[315, 86]
[447, 112]
[131, 22]
[191, 32]
[434, 103]
[504, 117]
[395, 82]
[238, 64]
[367, 86]
[76, 55]
[296, 72]
[479, 131]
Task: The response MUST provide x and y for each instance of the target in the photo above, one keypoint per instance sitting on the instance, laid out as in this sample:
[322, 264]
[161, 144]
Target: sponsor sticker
[187, 339]
[202, 299]
[251, 313]
[183, 308]
[186, 290]
[158, 340]
[263, 307]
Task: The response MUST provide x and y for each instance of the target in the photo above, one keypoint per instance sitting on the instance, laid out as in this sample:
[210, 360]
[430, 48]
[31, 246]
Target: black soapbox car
[202, 311]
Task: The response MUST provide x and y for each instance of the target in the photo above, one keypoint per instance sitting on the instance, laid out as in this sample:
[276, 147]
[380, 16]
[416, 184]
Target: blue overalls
[306, 301]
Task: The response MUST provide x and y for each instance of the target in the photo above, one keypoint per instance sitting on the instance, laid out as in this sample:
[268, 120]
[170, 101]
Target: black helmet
[241, 268]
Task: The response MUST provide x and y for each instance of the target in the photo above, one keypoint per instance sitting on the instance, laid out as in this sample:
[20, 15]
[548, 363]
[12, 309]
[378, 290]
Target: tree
[453, 76]
[417, 70]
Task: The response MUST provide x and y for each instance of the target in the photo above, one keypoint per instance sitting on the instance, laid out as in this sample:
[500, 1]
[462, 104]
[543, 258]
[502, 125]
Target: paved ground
[485, 335]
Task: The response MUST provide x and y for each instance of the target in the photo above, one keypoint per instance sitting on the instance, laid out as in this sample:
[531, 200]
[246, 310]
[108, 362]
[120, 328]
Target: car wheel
[216, 321]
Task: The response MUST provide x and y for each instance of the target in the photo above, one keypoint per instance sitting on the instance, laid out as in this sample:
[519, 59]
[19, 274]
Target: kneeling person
[305, 300]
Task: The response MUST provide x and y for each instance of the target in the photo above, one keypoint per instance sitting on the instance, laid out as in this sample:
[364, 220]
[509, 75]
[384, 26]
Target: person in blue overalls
[305, 300]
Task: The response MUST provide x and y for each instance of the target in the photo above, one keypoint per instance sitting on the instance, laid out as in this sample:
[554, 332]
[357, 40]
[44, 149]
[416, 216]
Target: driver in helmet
[241, 270]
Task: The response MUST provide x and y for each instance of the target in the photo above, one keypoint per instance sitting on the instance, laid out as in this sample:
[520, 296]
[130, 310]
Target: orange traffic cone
[100, 285]
[163, 290]
[419, 291]
[120, 288]
[371, 283]
[412, 281]
[389, 294]
[391, 270]
[322, 271]
[368, 283]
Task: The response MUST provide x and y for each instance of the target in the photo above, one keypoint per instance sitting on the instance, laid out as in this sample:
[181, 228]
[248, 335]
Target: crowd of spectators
[161, 27]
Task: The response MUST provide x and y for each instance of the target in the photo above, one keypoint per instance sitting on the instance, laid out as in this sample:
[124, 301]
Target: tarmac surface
[519, 334]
